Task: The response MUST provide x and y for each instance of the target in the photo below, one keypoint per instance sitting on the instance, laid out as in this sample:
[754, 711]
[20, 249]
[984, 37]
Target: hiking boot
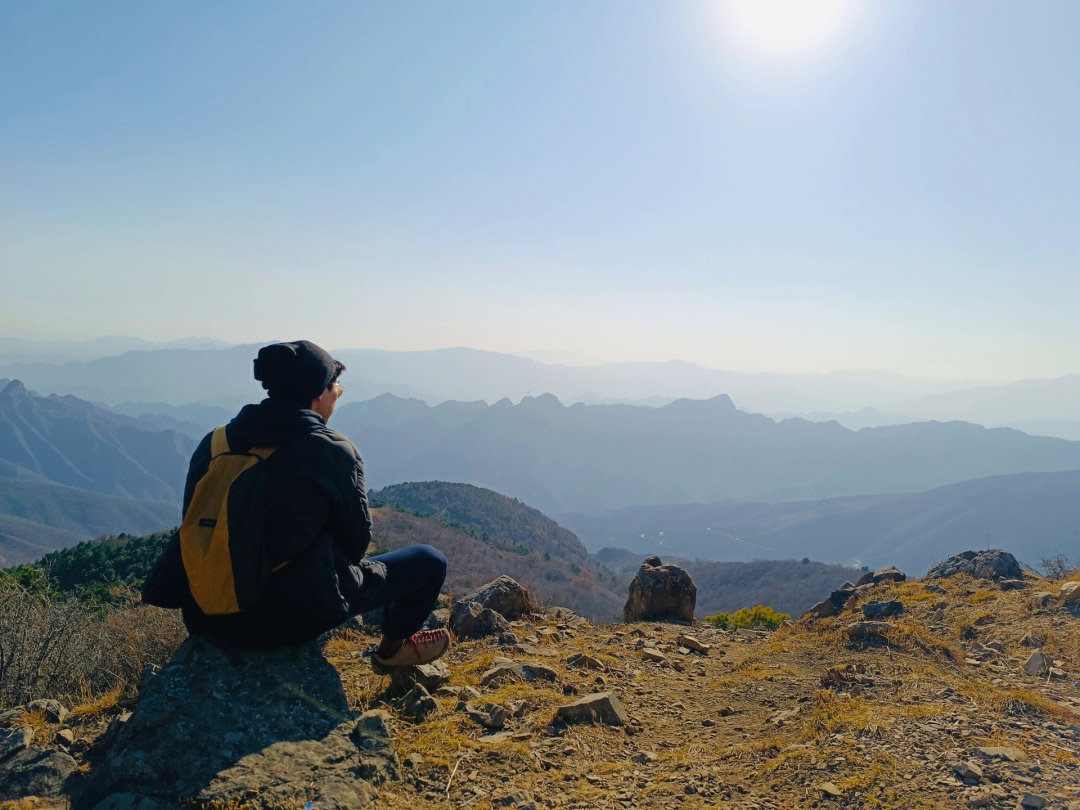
[421, 647]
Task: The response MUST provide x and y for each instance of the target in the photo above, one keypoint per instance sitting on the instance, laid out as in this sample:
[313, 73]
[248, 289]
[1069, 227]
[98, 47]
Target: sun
[787, 28]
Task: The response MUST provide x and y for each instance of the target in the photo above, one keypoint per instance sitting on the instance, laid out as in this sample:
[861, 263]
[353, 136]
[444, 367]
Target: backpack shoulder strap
[219, 442]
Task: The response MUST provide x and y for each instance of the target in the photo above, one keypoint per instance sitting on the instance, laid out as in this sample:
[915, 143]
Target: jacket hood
[270, 424]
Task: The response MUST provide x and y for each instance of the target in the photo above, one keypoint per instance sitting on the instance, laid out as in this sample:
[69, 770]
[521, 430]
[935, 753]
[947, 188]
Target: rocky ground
[933, 708]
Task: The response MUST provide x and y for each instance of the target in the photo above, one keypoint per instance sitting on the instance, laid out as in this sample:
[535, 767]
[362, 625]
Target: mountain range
[1032, 515]
[220, 376]
[594, 458]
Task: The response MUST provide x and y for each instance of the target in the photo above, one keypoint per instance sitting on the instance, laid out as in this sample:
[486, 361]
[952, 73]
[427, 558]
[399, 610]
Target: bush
[759, 617]
[76, 651]
[1058, 566]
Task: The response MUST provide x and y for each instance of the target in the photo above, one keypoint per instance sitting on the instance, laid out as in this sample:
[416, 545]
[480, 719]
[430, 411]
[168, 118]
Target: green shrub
[759, 617]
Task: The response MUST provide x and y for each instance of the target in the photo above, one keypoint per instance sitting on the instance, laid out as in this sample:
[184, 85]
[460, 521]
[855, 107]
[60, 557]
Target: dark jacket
[317, 518]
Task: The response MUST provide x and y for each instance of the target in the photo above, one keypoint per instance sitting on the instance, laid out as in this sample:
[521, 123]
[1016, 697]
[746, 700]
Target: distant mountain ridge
[1032, 515]
[65, 440]
[594, 458]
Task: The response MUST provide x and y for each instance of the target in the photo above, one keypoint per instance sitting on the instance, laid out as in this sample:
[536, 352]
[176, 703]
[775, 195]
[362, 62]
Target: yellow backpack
[222, 537]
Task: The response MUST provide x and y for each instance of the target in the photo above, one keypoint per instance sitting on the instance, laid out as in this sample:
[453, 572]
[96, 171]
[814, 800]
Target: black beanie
[295, 372]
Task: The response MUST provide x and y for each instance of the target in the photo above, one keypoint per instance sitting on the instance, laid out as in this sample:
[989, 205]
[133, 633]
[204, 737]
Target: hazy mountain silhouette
[1032, 515]
[36, 518]
[65, 440]
[592, 458]
[223, 376]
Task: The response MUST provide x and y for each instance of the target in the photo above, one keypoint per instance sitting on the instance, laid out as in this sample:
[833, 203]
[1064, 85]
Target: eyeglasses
[339, 389]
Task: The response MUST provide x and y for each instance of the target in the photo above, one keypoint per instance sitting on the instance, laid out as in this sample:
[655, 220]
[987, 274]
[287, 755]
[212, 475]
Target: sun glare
[786, 28]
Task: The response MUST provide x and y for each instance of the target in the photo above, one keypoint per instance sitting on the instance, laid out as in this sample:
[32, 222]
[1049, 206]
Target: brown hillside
[555, 580]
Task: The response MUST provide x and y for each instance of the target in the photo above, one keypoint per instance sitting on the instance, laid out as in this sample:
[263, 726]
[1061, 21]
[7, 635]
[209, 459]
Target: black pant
[405, 584]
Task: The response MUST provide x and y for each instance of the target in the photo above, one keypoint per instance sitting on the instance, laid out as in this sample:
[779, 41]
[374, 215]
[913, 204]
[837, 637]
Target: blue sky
[621, 180]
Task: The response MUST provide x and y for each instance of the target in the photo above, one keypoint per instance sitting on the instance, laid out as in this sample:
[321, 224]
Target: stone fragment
[865, 579]
[830, 790]
[51, 710]
[969, 772]
[473, 620]
[660, 591]
[1070, 593]
[890, 574]
[31, 771]
[436, 619]
[504, 669]
[653, 654]
[586, 661]
[418, 704]
[1032, 801]
[414, 760]
[1033, 639]
[1038, 663]
[882, 610]
[65, 736]
[1012, 584]
[17, 740]
[1041, 599]
[601, 707]
[1007, 753]
[867, 631]
[693, 643]
[644, 757]
[430, 676]
[990, 564]
[505, 596]
[491, 716]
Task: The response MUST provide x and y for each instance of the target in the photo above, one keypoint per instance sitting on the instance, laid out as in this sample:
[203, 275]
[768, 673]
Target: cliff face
[967, 694]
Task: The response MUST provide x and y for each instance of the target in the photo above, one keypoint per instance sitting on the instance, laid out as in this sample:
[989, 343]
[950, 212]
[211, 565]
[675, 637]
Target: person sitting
[316, 527]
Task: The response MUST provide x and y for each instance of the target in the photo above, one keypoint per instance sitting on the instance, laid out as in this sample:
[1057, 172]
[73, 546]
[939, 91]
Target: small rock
[418, 703]
[601, 707]
[1033, 801]
[17, 740]
[692, 643]
[1006, 753]
[1033, 639]
[1041, 599]
[52, 710]
[1070, 593]
[653, 654]
[503, 669]
[430, 676]
[890, 574]
[644, 757]
[726, 711]
[830, 790]
[1038, 663]
[934, 589]
[585, 660]
[65, 736]
[882, 610]
[867, 631]
[473, 620]
[414, 760]
[508, 640]
[969, 772]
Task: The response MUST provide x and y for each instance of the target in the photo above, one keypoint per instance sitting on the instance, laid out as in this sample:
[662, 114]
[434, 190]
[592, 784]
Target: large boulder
[26, 770]
[505, 596]
[990, 564]
[660, 591]
[253, 728]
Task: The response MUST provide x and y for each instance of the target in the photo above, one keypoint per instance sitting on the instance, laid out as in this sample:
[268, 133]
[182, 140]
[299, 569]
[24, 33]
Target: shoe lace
[423, 637]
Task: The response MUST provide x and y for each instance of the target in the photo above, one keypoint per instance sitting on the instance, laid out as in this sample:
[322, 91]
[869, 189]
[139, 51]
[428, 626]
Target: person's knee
[433, 561]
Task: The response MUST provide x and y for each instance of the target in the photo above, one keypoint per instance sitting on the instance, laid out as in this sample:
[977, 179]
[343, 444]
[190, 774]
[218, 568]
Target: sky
[752, 186]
